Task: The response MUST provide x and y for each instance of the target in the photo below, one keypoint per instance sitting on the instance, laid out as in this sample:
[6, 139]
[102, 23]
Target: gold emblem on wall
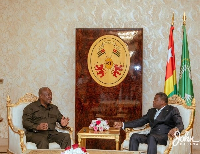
[108, 60]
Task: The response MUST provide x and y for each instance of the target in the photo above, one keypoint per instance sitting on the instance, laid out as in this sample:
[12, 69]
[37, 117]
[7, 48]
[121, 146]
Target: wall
[37, 45]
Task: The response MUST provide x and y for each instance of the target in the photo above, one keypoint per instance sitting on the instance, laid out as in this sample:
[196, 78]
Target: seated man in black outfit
[163, 119]
[39, 120]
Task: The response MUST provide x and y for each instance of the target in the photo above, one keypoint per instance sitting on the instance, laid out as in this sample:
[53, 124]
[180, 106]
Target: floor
[3, 145]
[196, 151]
[3, 150]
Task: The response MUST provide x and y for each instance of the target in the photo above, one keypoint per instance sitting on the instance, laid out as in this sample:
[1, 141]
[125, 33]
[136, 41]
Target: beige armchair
[187, 114]
[16, 132]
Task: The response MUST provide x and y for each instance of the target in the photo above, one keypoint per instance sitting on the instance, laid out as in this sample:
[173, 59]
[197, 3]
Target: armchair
[187, 114]
[16, 133]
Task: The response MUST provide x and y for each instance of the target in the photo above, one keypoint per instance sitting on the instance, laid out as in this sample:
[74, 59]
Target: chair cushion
[185, 114]
[30, 145]
[16, 114]
[160, 148]
[54, 145]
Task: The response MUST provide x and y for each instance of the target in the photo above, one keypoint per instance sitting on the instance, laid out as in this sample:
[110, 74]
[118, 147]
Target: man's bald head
[41, 90]
[45, 96]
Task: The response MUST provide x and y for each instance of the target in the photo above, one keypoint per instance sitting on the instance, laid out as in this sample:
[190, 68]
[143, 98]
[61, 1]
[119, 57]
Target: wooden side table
[85, 133]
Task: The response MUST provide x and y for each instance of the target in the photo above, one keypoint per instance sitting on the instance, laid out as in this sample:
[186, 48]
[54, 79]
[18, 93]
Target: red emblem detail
[100, 69]
[103, 50]
[116, 52]
[116, 70]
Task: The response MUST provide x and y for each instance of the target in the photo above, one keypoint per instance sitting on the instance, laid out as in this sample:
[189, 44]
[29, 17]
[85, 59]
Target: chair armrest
[18, 137]
[140, 130]
[182, 146]
[63, 129]
[15, 131]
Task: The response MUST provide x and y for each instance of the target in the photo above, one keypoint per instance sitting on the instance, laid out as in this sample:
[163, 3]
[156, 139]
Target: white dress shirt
[158, 112]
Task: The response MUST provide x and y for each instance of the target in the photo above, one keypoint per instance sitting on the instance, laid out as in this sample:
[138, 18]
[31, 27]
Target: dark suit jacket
[168, 118]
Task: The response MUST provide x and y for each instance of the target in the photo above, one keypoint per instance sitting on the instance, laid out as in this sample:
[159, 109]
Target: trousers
[43, 138]
[151, 139]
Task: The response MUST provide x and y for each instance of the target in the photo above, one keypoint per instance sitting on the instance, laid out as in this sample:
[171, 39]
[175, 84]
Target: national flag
[170, 88]
[185, 77]
[101, 52]
[116, 52]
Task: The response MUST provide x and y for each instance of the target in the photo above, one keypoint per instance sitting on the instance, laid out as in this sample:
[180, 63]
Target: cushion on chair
[54, 145]
[17, 112]
[185, 114]
[160, 148]
[30, 145]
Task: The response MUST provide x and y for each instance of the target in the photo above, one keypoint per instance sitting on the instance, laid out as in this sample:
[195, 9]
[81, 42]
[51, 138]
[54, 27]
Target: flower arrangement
[99, 125]
[74, 150]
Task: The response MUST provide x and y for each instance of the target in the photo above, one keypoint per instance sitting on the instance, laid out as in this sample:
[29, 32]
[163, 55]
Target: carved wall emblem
[108, 60]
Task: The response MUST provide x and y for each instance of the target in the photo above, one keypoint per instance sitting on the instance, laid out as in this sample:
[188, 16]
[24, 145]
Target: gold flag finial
[184, 19]
[173, 19]
[8, 99]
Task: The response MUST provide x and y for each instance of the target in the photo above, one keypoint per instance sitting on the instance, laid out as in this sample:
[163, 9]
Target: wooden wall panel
[122, 102]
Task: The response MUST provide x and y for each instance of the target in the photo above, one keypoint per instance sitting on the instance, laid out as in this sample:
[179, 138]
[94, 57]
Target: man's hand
[42, 126]
[172, 132]
[117, 124]
[64, 121]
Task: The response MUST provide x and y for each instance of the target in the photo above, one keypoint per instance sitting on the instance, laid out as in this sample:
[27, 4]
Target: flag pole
[184, 19]
[184, 23]
[172, 20]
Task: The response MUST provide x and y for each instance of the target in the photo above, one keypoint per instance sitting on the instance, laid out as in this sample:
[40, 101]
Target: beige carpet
[90, 151]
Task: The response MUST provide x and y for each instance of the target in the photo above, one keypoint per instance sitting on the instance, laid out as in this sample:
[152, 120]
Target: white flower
[99, 124]
[73, 151]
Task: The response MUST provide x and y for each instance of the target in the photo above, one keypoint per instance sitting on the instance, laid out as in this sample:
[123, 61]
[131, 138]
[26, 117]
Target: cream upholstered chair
[16, 132]
[187, 114]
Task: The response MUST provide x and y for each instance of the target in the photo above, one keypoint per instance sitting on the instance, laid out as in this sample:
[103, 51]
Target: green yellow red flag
[170, 88]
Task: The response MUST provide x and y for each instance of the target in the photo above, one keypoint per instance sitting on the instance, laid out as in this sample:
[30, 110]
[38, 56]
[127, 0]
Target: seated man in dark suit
[39, 120]
[163, 119]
